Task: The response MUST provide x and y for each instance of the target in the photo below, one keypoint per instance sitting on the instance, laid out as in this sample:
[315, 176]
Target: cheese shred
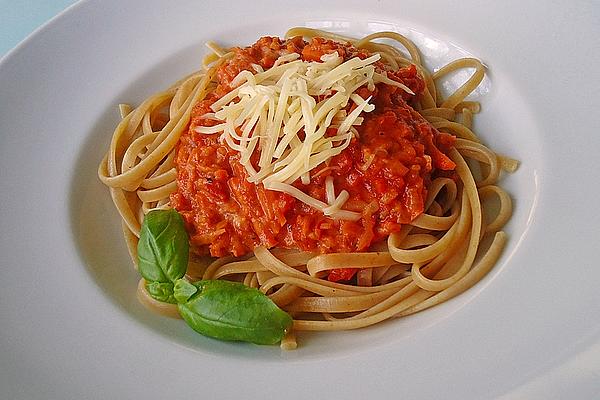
[267, 112]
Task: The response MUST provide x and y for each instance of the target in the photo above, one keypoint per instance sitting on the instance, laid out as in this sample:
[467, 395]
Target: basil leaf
[184, 290]
[161, 291]
[163, 248]
[231, 311]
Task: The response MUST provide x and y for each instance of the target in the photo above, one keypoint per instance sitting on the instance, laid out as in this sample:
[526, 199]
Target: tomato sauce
[386, 170]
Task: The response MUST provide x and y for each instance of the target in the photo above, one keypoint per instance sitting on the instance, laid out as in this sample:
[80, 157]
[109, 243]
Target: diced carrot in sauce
[342, 274]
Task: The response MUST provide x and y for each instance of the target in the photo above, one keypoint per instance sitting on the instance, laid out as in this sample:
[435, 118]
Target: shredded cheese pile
[267, 110]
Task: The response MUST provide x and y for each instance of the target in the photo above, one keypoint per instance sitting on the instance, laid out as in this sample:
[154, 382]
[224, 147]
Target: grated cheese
[267, 110]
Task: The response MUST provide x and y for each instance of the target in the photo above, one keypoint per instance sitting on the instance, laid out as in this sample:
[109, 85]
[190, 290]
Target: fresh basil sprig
[219, 309]
[163, 251]
[231, 311]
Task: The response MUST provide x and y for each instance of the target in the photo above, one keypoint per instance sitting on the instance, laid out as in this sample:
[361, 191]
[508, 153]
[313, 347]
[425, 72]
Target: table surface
[21, 17]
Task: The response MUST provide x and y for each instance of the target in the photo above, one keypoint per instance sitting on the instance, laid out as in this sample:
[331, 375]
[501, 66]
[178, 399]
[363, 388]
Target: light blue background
[18, 18]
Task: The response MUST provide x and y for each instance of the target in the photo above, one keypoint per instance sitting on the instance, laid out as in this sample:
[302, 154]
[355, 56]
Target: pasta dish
[327, 172]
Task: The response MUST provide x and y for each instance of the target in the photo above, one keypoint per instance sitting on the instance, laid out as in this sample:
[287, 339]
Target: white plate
[69, 322]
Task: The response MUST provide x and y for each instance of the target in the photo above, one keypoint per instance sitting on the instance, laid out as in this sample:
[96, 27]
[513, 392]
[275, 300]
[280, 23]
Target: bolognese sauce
[386, 169]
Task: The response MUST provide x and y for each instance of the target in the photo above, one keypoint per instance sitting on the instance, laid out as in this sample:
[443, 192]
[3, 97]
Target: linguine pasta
[440, 254]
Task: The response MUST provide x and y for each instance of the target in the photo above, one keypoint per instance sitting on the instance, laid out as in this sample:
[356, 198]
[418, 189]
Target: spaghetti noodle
[434, 254]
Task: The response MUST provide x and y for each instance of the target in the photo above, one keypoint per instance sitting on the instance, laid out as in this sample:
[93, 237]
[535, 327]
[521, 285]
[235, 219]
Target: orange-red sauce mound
[386, 170]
